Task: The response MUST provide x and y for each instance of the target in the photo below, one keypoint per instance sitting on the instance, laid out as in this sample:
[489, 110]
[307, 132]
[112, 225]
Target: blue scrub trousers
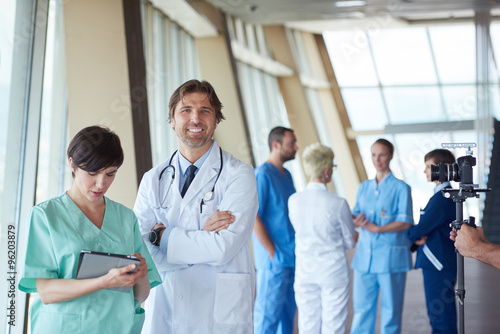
[275, 302]
[365, 295]
[440, 298]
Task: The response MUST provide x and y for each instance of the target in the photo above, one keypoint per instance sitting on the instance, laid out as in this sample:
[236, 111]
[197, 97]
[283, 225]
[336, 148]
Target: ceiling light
[354, 3]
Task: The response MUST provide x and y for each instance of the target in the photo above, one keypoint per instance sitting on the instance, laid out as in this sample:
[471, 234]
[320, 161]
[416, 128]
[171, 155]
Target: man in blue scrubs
[274, 238]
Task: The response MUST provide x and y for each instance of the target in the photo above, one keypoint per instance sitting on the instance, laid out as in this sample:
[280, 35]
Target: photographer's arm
[471, 242]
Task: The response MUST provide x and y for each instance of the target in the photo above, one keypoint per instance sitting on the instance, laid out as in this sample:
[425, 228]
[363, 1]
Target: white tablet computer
[95, 264]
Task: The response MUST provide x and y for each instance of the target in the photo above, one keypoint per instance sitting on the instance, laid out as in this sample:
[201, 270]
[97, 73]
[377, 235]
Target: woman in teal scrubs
[83, 219]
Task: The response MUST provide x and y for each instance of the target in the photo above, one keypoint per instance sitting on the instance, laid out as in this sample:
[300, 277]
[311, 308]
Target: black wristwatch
[154, 235]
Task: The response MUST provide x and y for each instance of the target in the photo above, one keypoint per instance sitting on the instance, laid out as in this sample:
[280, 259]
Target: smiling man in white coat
[196, 211]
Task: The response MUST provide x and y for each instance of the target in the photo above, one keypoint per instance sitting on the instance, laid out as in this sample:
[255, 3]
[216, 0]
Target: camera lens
[445, 172]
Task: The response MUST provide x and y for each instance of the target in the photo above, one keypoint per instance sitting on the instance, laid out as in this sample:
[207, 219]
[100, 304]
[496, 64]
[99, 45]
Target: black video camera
[459, 171]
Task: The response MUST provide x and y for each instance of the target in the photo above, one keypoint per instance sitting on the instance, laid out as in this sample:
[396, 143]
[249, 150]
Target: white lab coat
[208, 278]
[323, 230]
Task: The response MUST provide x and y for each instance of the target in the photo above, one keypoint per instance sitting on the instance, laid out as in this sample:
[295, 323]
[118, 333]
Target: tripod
[459, 196]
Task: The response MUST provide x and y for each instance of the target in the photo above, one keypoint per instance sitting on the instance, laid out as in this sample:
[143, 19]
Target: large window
[53, 175]
[263, 102]
[171, 60]
[415, 86]
[32, 131]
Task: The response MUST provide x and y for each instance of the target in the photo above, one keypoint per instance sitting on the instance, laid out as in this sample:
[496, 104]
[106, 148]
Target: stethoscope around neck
[206, 198]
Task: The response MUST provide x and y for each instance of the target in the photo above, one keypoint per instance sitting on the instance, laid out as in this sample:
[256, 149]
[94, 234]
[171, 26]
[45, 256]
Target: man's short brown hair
[195, 86]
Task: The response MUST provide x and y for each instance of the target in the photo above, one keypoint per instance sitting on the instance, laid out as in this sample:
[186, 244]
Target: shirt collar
[316, 185]
[184, 163]
[442, 186]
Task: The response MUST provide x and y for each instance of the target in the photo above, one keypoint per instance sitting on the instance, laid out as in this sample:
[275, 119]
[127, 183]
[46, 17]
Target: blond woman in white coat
[323, 231]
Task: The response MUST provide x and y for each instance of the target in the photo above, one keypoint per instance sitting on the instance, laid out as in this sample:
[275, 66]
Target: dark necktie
[190, 176]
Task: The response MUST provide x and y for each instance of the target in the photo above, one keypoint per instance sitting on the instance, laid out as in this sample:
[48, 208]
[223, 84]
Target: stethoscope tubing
[165, 169]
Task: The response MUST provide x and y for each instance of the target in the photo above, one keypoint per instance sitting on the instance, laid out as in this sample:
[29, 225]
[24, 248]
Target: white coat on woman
[208, 277]
[323, 231]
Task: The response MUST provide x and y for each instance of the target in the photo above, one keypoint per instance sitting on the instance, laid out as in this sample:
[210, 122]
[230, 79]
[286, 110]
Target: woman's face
[93, 185]
[381, 157]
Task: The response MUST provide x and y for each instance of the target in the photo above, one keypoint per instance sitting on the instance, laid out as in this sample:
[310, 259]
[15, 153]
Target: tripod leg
[460, 293]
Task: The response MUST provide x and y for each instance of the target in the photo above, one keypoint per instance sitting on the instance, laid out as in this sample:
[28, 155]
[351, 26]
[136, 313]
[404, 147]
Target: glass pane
[365, 108]
[411, 149]
[351, 58]
[175, 49]
[256, 124]
[173, 61]
[495, 42]
[460, 102]
[402, 56]
[317, 114]
[7, 16]
[454, 48]
[52, 165]
[275, 102]
[414, 105]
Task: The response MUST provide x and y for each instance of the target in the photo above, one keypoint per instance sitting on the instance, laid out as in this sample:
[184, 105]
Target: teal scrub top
[58, 231]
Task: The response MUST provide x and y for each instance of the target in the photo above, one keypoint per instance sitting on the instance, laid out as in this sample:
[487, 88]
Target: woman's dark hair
[385, 143]
[440, 155]
[95, 148]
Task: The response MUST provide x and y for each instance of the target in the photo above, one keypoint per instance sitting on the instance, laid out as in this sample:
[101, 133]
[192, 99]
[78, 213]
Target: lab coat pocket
[233, 299]
[207, 210]
[57, 323]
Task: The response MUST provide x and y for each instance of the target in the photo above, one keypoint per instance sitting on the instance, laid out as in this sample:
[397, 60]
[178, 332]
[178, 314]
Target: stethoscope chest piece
[208, 196]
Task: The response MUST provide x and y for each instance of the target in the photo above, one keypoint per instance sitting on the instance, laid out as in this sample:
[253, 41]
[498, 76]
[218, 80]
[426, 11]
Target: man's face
[194, 120]
[288, 147]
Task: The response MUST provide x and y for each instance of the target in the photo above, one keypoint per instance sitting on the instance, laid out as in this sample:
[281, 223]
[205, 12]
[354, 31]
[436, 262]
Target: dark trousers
[440, 298]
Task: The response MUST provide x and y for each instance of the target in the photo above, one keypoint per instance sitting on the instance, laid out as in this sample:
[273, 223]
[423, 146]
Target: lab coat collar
[208, 171]
[316, 186]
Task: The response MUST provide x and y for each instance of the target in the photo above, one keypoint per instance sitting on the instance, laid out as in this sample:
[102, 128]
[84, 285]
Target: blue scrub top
[383, 203]
[274, 189]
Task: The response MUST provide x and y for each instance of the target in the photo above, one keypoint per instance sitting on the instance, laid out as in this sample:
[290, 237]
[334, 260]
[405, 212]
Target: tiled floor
[482, 301]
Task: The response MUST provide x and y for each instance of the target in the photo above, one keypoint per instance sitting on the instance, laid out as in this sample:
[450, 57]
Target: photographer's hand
[468, 240]
[471, 242]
